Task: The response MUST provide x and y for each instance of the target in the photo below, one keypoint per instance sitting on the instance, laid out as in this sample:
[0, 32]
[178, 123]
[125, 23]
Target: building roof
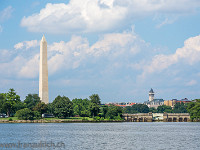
[151, 91]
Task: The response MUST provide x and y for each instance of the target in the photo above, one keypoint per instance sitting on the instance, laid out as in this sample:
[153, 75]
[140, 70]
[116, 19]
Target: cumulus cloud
[26, 44]
[6, 13]
[20, 64]
[102, 15]
[31, 68]
[12, 68]
[110, 43]
[188, 54]
[110, 48]
[76, 16]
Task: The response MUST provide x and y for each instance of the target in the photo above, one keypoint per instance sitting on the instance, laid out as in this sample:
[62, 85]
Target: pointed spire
[151, 91]
[43, 38]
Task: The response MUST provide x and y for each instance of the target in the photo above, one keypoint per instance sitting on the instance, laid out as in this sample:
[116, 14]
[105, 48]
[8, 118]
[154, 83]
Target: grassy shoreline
[56, 120]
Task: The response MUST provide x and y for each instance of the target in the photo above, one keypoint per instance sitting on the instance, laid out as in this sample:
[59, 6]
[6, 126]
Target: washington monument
[43, 79]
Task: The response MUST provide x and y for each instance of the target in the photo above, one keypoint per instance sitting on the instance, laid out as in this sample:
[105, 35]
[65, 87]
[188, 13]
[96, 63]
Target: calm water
[111, 136]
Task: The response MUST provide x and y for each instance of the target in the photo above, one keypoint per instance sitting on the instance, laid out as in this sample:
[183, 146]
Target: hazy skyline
[118, 49]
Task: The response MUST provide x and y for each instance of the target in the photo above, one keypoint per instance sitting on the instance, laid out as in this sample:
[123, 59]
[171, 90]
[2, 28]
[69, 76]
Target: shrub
[85, 119]
[97, 118]
[118, 117]
[10, 119]
[27, 114]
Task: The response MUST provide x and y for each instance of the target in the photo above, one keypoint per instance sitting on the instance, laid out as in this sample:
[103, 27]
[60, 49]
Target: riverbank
[56, 120]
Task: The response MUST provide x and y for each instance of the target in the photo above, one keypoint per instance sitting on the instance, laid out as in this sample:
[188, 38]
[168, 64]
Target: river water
[102, 136]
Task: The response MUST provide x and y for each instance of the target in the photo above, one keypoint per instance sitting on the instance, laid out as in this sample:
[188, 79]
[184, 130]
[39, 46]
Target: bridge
[176, 117]
[149, 117]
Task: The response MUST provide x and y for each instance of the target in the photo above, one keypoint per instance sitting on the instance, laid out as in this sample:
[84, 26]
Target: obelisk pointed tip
[43, 38]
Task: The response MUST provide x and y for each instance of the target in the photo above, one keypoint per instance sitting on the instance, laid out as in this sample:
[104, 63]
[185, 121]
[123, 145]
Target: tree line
[142, 108]
[62, 107]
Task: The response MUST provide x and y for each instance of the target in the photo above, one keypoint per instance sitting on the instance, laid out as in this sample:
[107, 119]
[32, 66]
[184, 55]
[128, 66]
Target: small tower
[43, 79]
[151, 95]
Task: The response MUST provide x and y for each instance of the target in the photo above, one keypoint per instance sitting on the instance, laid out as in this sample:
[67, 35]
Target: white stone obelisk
[43, 78]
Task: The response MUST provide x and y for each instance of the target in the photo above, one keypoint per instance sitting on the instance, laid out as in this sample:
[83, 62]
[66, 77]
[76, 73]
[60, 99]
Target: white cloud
[31, 68]
[188, 54]
[167, 21]
[191, 83]
[112, 54]
[19, 45]
[21, 63]
[12, 68]
[26, 44]
[5, 55]
[76, 16]
[102, 15]
[6, 13]
[112, 42]
[112, 48]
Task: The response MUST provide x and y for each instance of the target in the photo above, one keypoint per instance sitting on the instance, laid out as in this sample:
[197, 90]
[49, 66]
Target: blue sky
[118, 49]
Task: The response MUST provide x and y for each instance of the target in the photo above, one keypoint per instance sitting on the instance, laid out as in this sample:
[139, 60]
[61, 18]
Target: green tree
[153, 110]
[95, 99]
[180, 108]
[114, 112]
[128, 109]
[19, 105]
[164, 108]
[11, 98]
[80, 107]
[41, 107]
[136, 108]
[2, 100]
[27, 114]
[31, 100]
[194, 110]
[103, 111]
[63, 107]
[50, 108]
[94, 106]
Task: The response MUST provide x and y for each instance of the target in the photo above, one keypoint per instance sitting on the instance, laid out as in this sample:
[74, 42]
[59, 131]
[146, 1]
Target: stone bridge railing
[139, 117]
[176, 117]
[149, 117]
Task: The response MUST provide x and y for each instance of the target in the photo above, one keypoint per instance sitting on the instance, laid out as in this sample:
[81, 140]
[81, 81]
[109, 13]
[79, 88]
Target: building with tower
[153, 102]
[151, 95]
[43, 75]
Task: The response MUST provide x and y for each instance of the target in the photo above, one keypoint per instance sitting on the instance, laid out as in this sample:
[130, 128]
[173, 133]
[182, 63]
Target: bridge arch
[174, 119]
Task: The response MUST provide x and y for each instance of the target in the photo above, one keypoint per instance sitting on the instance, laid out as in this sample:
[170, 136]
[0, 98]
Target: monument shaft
[43, 78]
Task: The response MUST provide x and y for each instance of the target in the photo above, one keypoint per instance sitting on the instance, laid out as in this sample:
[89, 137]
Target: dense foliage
[142, 108]
[9, 102]
[62, 107]
[81, 107]
[194, 110]
[114, 112]
[94, 105]
[137, 108]
[164, 108]
[31, 100]
[27, 114]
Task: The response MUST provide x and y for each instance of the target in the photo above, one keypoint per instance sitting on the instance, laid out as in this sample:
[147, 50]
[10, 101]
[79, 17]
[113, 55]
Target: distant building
[170, 102]
[151, 95]
[122, 104]
[174, 101]
[185, 100]
[153, 102]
